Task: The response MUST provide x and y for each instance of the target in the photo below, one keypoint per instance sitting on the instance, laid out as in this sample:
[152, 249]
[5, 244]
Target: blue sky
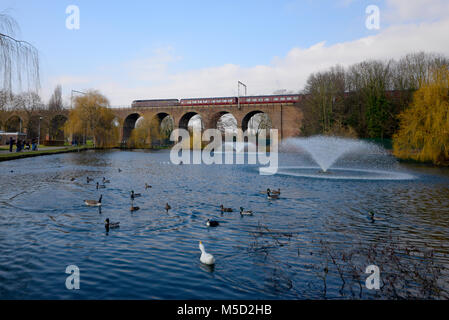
[151, 49]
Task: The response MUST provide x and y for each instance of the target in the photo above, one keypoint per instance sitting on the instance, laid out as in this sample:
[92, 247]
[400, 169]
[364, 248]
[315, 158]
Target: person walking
[11, 142]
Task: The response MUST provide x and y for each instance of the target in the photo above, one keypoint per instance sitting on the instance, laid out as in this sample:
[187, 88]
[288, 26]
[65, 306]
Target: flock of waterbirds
[206, 258]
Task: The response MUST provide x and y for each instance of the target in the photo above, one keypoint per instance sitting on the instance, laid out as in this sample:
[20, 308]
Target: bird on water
[206, 258]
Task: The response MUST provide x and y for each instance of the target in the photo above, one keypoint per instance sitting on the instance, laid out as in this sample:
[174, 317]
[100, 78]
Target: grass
[42, 152]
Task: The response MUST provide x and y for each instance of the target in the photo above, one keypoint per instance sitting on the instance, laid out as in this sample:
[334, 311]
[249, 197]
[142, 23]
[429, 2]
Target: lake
[313, 243]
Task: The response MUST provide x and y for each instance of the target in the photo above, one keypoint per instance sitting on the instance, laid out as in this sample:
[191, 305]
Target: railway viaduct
[285, 117]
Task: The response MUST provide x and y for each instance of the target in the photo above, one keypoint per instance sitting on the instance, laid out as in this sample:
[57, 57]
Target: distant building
[4, 137]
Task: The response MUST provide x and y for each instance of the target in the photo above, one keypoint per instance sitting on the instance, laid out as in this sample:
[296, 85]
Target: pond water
[278, 253]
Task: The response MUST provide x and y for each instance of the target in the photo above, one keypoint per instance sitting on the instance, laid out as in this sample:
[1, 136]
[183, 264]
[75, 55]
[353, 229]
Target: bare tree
[325, 94]
[55, 103]
[413, 69]
[227, 123]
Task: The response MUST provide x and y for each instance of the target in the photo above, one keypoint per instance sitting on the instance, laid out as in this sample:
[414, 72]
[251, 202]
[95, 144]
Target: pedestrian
[18, 145]
[11, 142]
[34, 143]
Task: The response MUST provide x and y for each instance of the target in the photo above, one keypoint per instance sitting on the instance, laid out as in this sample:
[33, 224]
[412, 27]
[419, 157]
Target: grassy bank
[22, 155]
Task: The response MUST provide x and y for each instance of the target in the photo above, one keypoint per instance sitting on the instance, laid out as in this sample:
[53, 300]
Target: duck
[271, 196]
[212, 223]
[100, 186]
[89, 180]
[167, 207]
[223, 209]
[206, 258]
[106, 181]
[93, 203]
[72, 179]
[245, 213]
[373, 218]
[111, 225]
[147, 186]
[119, 170]
[134, 209]
[278, 192]
[135, 195]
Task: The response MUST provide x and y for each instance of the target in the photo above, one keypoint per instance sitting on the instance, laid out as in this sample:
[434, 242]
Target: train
[285, 98]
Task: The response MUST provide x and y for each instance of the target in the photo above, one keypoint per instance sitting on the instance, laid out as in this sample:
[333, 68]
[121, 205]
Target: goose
[106, 181]
[93, 203]
[206, 258]
[271, 196]
[100, 186]
[167, 207]
[212, 223]
[245, 213]
[223, 209]
[147, 186]
[89, 179]
[111, 225]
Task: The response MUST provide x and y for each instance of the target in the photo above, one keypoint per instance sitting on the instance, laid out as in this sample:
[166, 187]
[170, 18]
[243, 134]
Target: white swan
[206, 258]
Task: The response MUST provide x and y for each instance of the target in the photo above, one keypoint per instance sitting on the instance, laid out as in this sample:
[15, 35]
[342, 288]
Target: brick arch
[251, 114]
[184, 119]
[215, 117]
[129, 124]
[12, 126]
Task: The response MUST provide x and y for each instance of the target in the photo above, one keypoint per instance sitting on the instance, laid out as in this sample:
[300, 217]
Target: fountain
[327, 151]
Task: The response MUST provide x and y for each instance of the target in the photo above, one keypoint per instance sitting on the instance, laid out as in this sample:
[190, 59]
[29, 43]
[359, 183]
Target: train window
[267, 99]
[289, 98]
[276, 99]
[283, 98]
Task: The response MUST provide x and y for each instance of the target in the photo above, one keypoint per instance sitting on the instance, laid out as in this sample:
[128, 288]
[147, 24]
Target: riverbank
[21, 155]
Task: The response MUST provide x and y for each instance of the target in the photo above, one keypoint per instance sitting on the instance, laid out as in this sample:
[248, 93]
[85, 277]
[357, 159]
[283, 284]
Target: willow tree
[424, 126]
[91, 117]
[146, 131]
[19, 60]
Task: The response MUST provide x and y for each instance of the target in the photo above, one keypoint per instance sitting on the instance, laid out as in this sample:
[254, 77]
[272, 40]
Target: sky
[131, 50]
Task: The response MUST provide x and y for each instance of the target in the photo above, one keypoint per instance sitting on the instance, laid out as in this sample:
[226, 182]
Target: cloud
[151, 77]
[409, 10]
